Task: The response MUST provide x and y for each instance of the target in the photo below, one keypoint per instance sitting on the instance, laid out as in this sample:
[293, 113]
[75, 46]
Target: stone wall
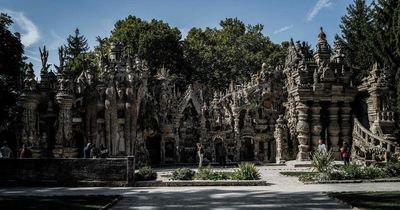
[67, 172]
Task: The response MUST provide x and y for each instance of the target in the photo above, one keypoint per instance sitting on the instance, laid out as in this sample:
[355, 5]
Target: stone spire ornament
[323, 50]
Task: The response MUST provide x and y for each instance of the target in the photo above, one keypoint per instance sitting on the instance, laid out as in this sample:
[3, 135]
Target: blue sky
[48, 22]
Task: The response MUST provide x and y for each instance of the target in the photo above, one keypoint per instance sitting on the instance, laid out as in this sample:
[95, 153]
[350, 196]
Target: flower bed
[326, 172]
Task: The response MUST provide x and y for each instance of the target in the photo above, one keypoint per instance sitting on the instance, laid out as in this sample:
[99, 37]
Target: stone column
[237, 136]
[316, 125]
[346, 122]
[303, 130]
[334, 130]
[65, 147]
[30, 136]
[256, 148]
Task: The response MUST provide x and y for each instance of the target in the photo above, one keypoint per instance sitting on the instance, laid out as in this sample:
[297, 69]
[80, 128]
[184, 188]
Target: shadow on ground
[226, 199]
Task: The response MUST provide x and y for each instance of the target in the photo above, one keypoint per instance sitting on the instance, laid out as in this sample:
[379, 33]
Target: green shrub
[307, 177]
[352, 172]
[146, 173]
[357, 172]
[206, 173]
[183, 174]
[393, 169]
[219, 175]
[322, 162]
[372, 172]
[246, 171]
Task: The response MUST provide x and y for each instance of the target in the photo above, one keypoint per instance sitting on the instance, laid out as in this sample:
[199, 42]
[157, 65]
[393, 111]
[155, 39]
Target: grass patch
[297, 173]
[55, 202]
[370, 200]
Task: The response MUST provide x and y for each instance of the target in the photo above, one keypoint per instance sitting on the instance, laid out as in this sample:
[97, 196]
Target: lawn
[370, 200]
[297, 173]
[55, 202]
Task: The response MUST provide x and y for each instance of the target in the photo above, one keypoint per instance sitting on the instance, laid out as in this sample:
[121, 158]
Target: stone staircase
[369, 148]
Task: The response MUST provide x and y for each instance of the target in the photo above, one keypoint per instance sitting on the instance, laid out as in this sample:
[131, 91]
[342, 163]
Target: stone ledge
[182, 183]
[353, 181]
[55, 183]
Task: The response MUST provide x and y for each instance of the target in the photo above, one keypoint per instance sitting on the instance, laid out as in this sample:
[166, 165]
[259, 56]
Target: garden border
[184, 183]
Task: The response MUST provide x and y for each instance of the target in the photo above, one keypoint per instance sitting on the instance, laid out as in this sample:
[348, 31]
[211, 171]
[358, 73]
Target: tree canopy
[357, 32]
[231, 53]
[76, 52]
[154, 41]
[11, 64]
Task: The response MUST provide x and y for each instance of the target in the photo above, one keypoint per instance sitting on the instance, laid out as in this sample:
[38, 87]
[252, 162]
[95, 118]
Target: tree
[357, 32]
[386, 39]
[231, 53]
[154, 41]
[11, 65]
[76, 49]
[76, 45]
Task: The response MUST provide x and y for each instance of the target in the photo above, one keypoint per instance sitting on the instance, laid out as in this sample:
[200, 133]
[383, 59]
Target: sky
[49, 22]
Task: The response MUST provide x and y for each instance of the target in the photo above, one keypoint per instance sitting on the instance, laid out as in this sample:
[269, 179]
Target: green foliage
[246, 171]
[307, 177]
[297, 173]
[322, 162]
[146, 173]
[393, 169]
[386, 41]
[206, 173]
[76, 45]
[11, 65]
[77, 57]
[183, 174]
[357, 32]
[353, 171]
[154, 41]
[231, 53]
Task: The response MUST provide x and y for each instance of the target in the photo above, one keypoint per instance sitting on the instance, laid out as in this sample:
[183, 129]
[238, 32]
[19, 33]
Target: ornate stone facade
[279, 115]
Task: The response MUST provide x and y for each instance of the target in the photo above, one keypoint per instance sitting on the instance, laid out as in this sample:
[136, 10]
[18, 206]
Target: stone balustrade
[360, 133]
[386, 116]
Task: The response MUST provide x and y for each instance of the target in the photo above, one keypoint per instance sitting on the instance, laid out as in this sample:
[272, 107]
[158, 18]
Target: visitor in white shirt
[321, 146]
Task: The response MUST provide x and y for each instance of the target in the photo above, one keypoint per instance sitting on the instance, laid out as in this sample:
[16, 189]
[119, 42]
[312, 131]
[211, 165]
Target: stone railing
[386, 116]
[370, 147]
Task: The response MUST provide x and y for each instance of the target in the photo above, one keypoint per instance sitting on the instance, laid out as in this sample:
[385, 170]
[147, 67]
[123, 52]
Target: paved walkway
[283, 193]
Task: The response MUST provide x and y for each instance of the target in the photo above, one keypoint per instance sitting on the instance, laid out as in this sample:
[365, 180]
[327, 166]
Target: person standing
[221, 155]
[86, 151]
[5, 151]
[103, 151]
[345, 153]
[95, 152]
[200, 153]
[321, 146]
[25, 152]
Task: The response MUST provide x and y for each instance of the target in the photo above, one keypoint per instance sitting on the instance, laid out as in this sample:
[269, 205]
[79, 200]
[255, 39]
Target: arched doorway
[219, 149]
[248, 149]
[189, 133]
[153, 145]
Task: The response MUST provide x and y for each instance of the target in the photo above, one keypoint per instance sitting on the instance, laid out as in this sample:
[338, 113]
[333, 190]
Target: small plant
[393, 169]
[246, 171]
[204, 173]
[307, 177]
[352, 171]
[146, 173]
[183, 174]
[322, 162]
[372, 172]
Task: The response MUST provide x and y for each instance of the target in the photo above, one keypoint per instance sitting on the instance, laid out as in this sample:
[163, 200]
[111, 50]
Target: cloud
[321, 4]
[30, 33]
[57, 41]
[284, 28]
